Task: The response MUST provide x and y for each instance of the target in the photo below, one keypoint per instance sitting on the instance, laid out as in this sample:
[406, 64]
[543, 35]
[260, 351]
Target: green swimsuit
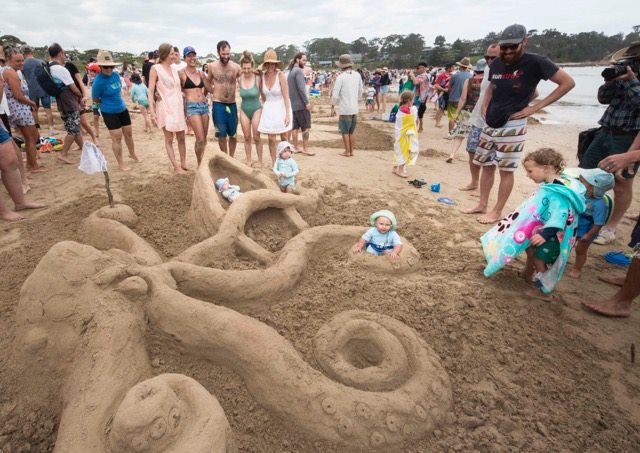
[250, 99]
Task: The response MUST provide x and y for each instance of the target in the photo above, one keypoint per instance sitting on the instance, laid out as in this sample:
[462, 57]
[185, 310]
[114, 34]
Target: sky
[137, 26]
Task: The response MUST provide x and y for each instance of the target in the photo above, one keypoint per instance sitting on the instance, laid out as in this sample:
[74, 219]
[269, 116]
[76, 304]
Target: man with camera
[620, 125]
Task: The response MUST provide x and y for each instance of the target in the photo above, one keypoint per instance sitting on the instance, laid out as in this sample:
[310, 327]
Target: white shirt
[179, 66]
[61, 73]
[476, 114]
[347, 91]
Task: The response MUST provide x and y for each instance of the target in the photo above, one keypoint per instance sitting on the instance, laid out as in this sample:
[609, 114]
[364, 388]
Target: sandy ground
[527, 375]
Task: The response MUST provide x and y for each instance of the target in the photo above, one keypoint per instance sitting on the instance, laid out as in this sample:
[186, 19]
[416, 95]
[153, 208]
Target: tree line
[401, 51]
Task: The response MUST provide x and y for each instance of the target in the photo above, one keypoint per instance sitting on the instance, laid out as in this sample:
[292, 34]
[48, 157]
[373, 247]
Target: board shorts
[115, 121]
[225, 119]
[301, 119]
[384, 89]
[473, 139]
[452, 107]
[347, 123]
[71, 122]
[502, 146]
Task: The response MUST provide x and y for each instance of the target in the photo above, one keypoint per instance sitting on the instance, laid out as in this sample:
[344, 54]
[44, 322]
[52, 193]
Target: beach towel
[406, 146]
[551, 206]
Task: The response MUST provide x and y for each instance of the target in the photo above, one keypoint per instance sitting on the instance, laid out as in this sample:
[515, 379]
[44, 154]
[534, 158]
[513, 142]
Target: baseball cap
[187, 50]
[513, 34]
[481, 65]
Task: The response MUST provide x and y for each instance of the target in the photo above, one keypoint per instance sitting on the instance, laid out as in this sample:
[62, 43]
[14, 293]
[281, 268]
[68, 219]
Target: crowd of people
[487, 103]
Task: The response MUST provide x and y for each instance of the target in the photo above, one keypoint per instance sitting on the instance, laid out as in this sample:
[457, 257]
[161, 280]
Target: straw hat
[345, 61]
[105, 58]
[270, 56]
[464, 63]
[633, 51]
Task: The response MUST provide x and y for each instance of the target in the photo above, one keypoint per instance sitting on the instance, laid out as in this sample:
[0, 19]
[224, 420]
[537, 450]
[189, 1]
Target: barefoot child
[597, 211]
[139, 96]
[406, 144]
[543, 225]
[285, 167]
[230, 192]
[382, 238]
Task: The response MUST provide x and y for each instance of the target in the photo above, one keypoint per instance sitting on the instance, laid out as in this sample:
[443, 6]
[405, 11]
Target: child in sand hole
[598, 209]
[285, 167]
[543, 225]
[381, 238]
[230, 192]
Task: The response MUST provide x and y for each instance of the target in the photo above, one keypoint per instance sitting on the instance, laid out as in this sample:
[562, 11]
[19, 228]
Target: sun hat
[105, 58]
[384, 213]
[344, 61]
[283, 145]
[632, 51]
[220, 182]
[464, 63]
[599, 179]
[513, 34]
[270, 56]
[187, 50]
[481, 65]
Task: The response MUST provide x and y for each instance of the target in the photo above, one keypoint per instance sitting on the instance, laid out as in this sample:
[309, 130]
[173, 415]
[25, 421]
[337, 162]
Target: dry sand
[527, 375]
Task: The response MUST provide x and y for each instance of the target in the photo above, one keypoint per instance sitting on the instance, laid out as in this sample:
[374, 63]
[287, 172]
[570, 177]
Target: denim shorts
[197, 108]
[4, 135]
[347, 123]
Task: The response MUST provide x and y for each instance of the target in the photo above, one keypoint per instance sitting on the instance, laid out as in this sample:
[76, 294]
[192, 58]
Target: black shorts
[301, 119]
[115, 121]
[421, 109]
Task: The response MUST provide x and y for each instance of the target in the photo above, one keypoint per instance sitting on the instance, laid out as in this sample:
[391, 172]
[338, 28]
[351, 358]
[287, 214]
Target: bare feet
[178, 171]
[65, 160]
[184, 167]
[488, 219]
[612, 308]
[39, 170]
[11, 216]
[345, 155]
[574, 273]
[134, 157]
[468, 187]
[617, 281]
[537, 294]
[474, 210]
[401, 174]
[307, 153]
[24, 206]
[123, 168]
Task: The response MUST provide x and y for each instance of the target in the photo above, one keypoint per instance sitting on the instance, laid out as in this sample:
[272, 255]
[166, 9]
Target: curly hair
[547, 156]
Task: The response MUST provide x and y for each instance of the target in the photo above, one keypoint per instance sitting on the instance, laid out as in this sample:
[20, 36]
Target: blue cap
[187, 50]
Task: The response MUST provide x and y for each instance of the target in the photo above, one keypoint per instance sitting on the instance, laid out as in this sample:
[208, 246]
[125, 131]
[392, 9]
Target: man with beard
[222, 75]
[300, 105]
[513, 80]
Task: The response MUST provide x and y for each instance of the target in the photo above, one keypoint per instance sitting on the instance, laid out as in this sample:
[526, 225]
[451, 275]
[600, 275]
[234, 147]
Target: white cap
[284, 145]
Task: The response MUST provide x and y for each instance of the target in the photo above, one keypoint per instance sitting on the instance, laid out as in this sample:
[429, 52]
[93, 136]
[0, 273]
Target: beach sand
[527, 375]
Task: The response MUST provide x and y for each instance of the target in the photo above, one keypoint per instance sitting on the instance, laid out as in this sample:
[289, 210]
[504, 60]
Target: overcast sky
[136, 25]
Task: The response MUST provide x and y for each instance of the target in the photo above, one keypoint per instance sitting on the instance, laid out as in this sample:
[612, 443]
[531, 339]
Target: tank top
[474, 93]
[250, 94]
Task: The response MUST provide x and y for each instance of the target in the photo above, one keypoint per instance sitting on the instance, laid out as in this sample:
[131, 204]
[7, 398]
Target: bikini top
[188, 83]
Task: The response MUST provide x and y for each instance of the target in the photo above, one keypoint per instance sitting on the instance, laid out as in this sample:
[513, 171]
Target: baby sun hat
[599, 179]
[384, 213]
[220, 182]
[284, 145]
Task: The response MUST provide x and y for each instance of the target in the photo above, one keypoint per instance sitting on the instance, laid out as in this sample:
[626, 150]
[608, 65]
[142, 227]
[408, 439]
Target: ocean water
[579, 106]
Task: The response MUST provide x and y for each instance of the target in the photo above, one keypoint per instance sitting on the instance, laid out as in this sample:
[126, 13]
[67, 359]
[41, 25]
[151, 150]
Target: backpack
[46, 80]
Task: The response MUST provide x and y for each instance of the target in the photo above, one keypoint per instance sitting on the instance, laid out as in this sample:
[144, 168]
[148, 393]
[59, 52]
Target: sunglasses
[509, 46]
[489, 57]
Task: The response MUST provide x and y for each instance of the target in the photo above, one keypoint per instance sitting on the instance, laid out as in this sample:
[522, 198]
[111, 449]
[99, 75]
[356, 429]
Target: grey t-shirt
[297, 89]
[457, 83]
[29, 72]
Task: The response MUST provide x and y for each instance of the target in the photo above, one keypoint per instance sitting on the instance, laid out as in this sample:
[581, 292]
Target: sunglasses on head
[509, 46]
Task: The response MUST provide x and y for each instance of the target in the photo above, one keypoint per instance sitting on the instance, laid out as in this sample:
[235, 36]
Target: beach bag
[46, 80]
[584, 140]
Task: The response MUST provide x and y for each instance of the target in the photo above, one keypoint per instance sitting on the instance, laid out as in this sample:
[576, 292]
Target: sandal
[617, 258]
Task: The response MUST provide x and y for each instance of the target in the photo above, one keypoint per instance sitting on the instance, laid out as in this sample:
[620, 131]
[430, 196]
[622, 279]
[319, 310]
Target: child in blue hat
[381, 238]
[229, 191]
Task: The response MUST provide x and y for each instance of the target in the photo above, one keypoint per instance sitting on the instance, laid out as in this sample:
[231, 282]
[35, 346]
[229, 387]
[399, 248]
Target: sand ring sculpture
[85, 326]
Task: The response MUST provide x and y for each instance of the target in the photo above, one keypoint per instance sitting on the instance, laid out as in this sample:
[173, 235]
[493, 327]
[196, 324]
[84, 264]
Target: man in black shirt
[513, 79]
[146, 67]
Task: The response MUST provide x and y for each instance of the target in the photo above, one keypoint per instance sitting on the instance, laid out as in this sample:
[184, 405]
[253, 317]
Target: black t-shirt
[73, 71]
[513, 85]
[146, 69]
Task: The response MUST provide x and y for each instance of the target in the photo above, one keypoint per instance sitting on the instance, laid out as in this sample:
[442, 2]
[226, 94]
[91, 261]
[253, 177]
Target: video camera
[619, 68]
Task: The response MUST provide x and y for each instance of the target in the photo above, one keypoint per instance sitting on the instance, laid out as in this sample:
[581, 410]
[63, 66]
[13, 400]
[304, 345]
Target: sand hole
[362, 353]
[270, 228]
[219, 168]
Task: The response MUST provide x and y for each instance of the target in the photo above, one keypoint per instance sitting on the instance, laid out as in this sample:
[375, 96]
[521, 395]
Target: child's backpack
[46, 80]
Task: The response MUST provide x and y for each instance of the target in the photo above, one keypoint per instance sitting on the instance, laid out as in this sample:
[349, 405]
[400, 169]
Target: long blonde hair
[164, 51]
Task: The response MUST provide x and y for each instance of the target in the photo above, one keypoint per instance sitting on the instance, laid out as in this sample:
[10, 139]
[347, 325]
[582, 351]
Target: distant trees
[406, 50]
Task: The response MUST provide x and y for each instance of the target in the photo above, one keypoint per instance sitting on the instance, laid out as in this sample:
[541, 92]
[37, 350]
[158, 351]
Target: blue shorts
[225, 119]
[384, 89]
[347, 123]
[4, 135]
[197, 108]
[44, 100]
[473, 139]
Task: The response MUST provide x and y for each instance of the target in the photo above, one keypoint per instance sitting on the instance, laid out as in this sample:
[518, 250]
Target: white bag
[92, 160]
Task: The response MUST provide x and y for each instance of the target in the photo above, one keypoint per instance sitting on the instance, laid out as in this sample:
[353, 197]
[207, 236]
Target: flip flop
[617, 258]
[445, 200]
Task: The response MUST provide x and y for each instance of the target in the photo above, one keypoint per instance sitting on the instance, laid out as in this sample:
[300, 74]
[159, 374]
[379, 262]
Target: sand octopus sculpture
[85, 313]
